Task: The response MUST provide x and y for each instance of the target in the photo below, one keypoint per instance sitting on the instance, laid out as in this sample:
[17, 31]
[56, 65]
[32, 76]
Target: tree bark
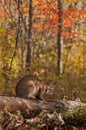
[59, 39]
[29, 33]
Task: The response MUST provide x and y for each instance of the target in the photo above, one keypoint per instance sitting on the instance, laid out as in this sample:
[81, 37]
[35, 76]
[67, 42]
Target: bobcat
[31, 87]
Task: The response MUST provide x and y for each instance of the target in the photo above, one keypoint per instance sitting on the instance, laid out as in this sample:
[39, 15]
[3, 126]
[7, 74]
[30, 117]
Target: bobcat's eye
[45, 89]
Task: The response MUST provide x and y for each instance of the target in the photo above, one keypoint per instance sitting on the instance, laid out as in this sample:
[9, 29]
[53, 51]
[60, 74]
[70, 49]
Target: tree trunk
[49, 114]
[29, 33]
[59, 39]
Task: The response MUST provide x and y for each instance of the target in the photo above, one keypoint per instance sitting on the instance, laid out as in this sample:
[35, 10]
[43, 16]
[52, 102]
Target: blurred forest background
[46, 38]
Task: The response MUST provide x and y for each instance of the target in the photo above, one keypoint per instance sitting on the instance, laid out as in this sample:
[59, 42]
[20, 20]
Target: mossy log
[48, 114]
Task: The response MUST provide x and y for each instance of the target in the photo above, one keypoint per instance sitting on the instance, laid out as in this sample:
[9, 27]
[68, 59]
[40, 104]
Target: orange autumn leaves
[45, 16]
[49, 17]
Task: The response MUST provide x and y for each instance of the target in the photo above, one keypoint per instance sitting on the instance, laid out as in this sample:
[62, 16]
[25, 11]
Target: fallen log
[38, 113]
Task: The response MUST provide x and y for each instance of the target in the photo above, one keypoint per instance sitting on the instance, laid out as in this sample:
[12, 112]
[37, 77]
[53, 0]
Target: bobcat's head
[49, 88]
